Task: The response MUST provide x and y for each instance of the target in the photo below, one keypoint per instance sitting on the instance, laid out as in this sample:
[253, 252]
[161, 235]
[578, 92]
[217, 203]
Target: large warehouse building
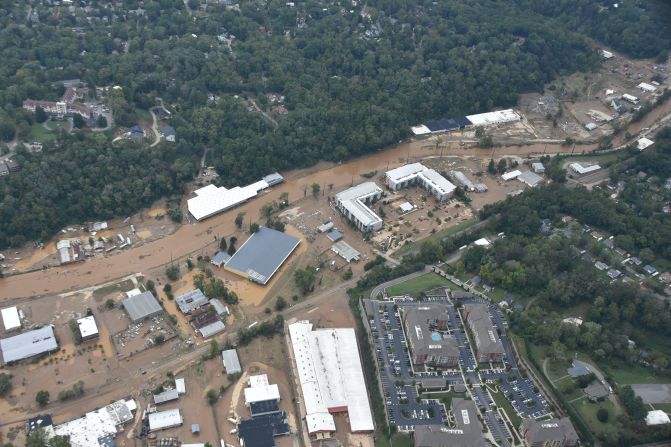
[259, 258]
[353, 203]
[464, 122]
[28, 344]
[331, 377]
[141, 307]
[418, 174]
[211, 200]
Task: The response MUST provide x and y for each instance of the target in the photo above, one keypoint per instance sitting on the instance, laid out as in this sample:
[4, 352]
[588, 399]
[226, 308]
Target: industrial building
[552, 432]
[231, 361]
[464, 181]
[644, 143]
[429, 341]
[648, 88]
[166, 396]
[28, 344]
[418, 174]
[88, 328]
[464, 122]
[191, 300]
[11, 318]
[212, 329]
[511, 175]
[142, 307]
[580, 169]
[331, 377]
[467, 431]
[631, 99]
[487, 343]
[259, 258]
[260, 431]
[96, 428]
[162, 420]
[345, 251]
[538, 167]
[530, 178]
[211, 200]
[353, 203]
[261, 397]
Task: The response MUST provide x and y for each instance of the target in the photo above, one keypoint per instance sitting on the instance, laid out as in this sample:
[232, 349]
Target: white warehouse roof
[165, 419]
[582, 169]
[87, 430]
[10, 318]
[261, 392]
[490, 118]
[87, 326]
[647, 87]
[211, 200]
[331, 377]
[405, 172]
[644, 143]
[511, 175]
[420, 130]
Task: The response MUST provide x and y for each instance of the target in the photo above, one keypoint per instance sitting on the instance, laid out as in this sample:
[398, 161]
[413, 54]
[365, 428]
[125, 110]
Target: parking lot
[396, 373]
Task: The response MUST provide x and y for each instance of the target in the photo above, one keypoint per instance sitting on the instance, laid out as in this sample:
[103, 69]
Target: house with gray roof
[488, 345]
[553, 432]
[429, 341]
[141, 307]
[467, 431]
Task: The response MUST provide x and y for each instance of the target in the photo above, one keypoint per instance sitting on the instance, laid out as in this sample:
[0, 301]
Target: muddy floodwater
[191, 238]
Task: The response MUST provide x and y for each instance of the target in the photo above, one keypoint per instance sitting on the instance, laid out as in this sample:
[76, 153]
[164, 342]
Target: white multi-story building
[418, 174]
[353, 203]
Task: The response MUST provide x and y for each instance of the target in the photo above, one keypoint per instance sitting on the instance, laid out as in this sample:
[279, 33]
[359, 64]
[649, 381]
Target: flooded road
[196, 238]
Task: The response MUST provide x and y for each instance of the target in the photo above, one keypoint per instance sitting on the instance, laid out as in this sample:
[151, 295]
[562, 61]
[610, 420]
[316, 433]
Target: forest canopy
[353, 78]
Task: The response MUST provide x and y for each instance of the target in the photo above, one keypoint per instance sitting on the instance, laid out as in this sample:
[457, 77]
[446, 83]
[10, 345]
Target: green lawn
[143, 114]
[436, 237]
[557, 369]
[123, 286]
[57, 125]
[588, 412]
[634, 374]
[415, 286]
[40, 134]
[663, 407]
[506, 406]
[602, 158]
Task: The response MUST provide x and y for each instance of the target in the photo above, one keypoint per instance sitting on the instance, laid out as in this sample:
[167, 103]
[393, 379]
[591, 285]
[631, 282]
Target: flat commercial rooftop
[353, 200]
[262, 255]
[165, 419]
[490, 118]
[211, 200]
[87, 326]
[261, 393]
[10, 318]
[331, 377]
[28, 344]
[88, 430]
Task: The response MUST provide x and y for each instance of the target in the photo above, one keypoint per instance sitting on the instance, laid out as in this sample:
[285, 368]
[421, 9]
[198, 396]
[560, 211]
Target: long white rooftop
[211, 200]
[353, 199]
[490, 118]
[331, 377]
[429, 177]
[584, 169]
